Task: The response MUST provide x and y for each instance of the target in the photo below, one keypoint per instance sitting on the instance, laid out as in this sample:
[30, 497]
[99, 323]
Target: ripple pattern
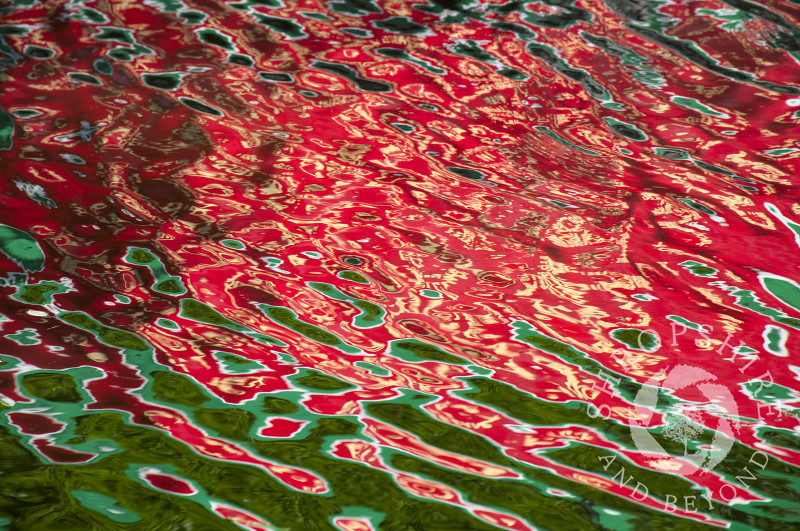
[394, 265]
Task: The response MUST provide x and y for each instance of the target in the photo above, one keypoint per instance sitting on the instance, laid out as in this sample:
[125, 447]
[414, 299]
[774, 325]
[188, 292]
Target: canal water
[399, 265]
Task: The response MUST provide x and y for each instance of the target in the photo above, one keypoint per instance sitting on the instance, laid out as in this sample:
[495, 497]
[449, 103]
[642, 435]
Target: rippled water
[306, 265]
